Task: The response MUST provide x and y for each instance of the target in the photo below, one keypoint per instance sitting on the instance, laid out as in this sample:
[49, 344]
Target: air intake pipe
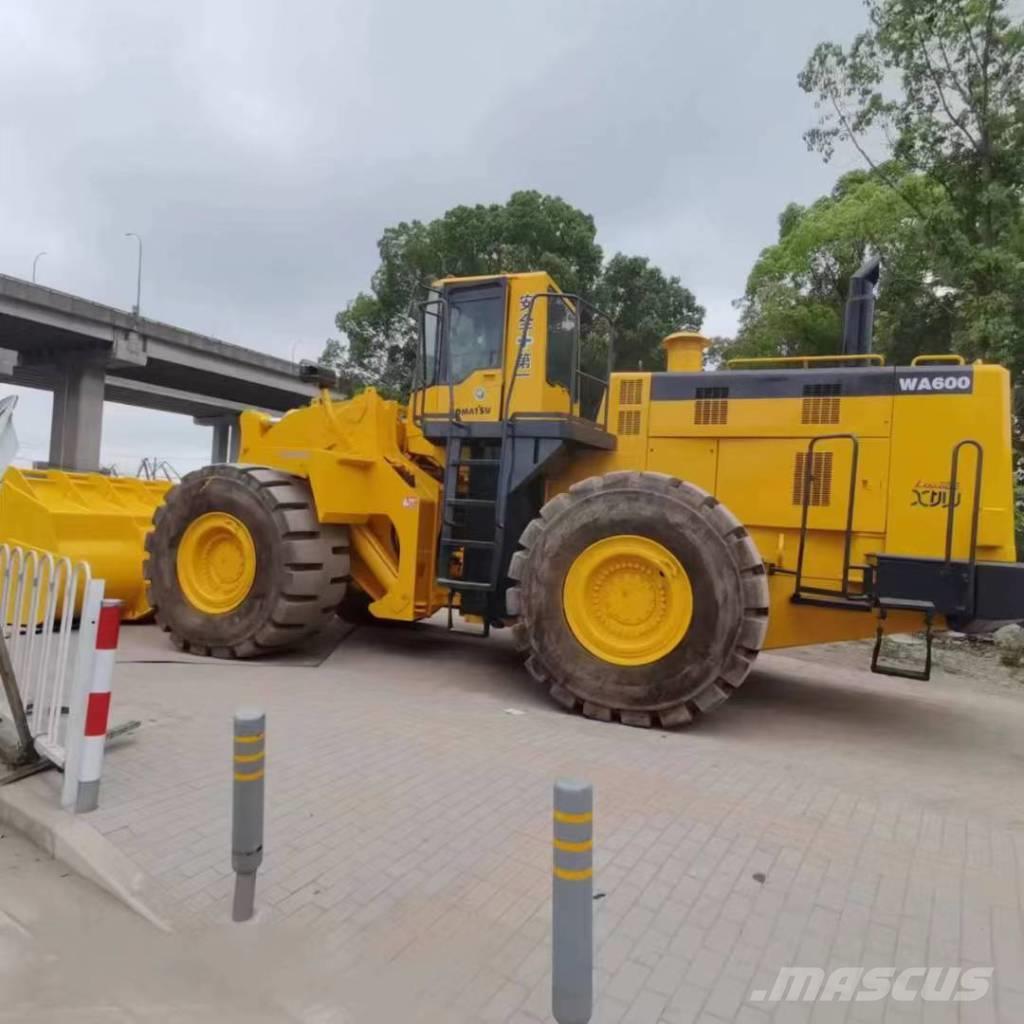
[859, 319]
[684, 351]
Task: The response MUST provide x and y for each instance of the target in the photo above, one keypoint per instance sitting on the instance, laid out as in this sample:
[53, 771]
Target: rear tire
[729, 617]
[300, 575]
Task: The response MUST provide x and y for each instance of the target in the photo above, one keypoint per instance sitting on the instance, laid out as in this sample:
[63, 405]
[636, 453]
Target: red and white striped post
[97, 710]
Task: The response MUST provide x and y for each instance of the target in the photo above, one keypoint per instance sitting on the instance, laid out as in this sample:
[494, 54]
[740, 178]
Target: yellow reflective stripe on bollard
[574, 876]
[250, 739]
[249, 758]
[248, 776]
[574, 819]
[566, 847]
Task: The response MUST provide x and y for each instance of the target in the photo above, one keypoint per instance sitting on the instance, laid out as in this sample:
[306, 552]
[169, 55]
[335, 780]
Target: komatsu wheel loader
[644, 534]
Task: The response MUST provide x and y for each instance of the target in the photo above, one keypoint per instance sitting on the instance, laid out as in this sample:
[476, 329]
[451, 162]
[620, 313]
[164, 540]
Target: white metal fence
[52, 660]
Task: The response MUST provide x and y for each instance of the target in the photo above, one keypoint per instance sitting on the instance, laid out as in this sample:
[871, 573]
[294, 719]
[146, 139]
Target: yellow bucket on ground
[99, 519]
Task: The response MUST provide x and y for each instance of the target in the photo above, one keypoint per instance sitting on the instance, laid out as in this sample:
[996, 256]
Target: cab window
[430, 320]
[561, 343]
[476, 330]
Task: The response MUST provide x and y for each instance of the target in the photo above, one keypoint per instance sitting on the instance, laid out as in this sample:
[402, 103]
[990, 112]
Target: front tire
[238, 566]
[640, 598]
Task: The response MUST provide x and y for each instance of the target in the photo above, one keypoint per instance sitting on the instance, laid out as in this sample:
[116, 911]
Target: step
[453, 584]
[479, 502]
[464, 542]
[906, 605]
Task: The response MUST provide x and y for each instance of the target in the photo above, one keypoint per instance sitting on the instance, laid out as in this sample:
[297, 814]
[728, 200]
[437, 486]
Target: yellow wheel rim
[216, 563]
[628, 600]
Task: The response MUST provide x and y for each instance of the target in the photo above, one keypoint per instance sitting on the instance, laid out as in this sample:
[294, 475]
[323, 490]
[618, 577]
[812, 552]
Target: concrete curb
[31, 807]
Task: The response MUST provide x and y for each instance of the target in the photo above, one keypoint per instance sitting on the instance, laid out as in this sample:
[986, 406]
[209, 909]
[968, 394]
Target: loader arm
[351, 452]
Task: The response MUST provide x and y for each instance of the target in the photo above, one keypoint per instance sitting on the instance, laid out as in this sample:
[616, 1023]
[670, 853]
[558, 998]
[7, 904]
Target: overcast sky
[260, 148]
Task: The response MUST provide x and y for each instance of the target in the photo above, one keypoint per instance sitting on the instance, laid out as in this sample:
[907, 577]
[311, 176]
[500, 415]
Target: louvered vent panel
[821, 403]
[631, 392]
[712, 407]
[820, 490]
[629, 421]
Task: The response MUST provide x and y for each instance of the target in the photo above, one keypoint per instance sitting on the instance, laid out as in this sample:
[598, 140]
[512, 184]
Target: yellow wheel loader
[644, 534]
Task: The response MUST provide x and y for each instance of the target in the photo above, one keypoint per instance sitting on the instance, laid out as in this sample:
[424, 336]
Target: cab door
[470, 354]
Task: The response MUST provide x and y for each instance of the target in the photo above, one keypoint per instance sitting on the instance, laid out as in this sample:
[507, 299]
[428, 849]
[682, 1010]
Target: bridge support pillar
[221, 440]
[225, 436]
[76, 423]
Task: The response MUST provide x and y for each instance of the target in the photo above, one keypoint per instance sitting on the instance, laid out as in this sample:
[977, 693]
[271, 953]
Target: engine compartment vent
[631, 391]
[712, 407]
[821, 403]
[820, 489]
[629, 421]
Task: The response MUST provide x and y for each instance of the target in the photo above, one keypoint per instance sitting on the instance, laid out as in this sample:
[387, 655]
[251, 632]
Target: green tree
[937, 85]
[530, 232]
[796, 291]
[644, 305]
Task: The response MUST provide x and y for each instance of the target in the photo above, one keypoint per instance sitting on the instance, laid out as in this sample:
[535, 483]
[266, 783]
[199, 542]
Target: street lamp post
[138, 280]
[34, 264]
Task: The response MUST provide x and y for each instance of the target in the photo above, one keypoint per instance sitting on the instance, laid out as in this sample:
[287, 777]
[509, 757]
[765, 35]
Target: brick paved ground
[407, 871]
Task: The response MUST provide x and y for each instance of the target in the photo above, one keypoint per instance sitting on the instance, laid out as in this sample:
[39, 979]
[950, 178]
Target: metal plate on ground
[150, 644]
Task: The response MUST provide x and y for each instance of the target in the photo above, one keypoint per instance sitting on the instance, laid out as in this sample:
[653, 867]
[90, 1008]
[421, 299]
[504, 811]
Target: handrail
[577, 372]
[975, 511]
[808, 477]
[953, 471]
[419, 394]
[948, 358]
[873, 358]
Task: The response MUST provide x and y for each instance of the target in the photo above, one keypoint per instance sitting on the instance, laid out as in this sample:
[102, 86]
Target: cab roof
[441, 281]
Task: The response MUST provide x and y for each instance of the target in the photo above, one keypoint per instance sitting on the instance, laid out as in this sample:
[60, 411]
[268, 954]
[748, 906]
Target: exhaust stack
[860, 309]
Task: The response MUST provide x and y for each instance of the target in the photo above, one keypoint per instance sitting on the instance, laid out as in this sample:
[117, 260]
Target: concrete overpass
[85, 352]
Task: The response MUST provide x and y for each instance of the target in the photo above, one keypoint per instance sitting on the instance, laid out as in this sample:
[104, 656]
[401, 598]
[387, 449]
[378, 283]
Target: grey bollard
[572, 904]
[247, 809]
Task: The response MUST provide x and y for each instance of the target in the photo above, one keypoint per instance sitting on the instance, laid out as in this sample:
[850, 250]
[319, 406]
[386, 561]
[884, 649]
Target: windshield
[476, 329]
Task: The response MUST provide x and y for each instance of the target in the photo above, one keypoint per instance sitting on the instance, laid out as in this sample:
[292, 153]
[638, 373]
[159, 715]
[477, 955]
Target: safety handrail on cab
[870, 358]
[576, 303]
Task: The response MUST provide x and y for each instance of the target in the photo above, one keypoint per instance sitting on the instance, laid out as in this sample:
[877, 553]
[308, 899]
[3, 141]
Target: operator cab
[475, 330]
[499, 383]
